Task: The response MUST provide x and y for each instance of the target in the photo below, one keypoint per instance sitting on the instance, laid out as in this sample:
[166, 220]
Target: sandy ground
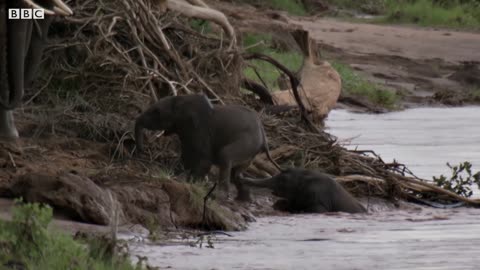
[418, 62]
[408, 42]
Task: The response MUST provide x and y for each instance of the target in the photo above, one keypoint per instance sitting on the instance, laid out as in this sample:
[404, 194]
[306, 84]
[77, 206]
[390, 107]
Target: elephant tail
[267, 150]
[11, 93]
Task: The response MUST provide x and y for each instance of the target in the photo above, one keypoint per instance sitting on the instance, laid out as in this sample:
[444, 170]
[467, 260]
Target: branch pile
[115, 57]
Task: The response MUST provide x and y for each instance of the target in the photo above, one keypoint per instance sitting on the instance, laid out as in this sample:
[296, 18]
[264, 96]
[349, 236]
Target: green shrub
[475, 93]
[461, 180]
[291, 59]
[367, 6]
[201, 26]
[291, 6]
[451, 13]
[354, 84]
[26, 241]
[294, 7]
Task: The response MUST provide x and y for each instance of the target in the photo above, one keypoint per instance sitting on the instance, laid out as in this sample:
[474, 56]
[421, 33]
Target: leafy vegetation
[367, 6]
[25, 243]
[461, 181]
[354, 84]
[201, 26]
[262, 43]
[444, 13]
[294, 7]
[451, 13]
[475, 94]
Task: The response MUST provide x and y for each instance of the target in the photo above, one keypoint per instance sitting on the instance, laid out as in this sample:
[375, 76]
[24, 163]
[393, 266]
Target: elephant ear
[192, 112]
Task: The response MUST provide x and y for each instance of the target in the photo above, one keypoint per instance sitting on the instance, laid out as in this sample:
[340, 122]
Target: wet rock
[144, 203]
[449, 97]
[186, 203]
[468, 74]
[73, 195]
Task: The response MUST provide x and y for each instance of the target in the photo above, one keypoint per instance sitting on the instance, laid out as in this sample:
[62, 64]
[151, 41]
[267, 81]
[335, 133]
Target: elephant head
[281, 184]
[21, 48]
[182, 115]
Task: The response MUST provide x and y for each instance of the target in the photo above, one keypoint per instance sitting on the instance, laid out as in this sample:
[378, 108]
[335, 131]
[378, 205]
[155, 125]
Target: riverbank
[424, 67]
[411, 66]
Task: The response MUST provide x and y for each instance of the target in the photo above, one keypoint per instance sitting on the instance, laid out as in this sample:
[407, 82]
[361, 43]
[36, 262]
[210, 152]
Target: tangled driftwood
[113, 58]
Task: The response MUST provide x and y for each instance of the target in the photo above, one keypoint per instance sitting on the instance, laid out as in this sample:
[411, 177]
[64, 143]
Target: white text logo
[25, 13]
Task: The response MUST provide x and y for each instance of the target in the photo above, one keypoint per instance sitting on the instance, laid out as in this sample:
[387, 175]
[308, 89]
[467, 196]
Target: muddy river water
[411, 237]
[424, 139]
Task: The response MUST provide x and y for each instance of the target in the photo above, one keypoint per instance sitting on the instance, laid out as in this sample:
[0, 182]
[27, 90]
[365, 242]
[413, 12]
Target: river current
[411, 237]
[424, 139]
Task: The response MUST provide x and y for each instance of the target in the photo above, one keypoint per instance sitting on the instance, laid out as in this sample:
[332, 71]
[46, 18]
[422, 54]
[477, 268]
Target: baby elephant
[226, 136]
[308, 191]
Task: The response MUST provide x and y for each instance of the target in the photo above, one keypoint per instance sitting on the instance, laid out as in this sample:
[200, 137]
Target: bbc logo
[25, 13]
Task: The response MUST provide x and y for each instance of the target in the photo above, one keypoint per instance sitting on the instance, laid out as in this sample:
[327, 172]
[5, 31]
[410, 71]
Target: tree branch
[259, 90]
[294, 81]
[205, 13]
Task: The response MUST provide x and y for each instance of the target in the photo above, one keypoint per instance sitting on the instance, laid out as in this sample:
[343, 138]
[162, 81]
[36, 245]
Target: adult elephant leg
[7, 130]
[11, 91]
[35, 51]
[7, 126]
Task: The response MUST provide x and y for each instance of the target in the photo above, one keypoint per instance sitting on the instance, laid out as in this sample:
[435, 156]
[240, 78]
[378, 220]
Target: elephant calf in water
[227, 136]
[308, 191]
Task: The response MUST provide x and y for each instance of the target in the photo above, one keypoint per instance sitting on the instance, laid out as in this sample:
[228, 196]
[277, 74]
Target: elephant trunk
[3, 51]
[264, 183]
[38, 41]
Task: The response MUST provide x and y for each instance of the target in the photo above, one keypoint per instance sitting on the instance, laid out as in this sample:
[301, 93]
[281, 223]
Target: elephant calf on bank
[227, 136]
[308, 191]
